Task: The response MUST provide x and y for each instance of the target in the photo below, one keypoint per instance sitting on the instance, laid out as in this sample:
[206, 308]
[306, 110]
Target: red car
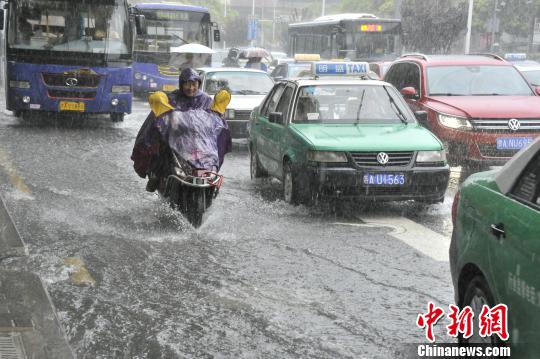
[480, 106]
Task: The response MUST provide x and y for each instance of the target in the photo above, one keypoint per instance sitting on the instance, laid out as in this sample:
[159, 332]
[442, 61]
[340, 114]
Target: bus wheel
[117, 116]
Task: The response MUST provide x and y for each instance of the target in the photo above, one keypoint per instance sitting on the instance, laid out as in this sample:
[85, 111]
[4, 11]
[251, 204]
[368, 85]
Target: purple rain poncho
[194, 136]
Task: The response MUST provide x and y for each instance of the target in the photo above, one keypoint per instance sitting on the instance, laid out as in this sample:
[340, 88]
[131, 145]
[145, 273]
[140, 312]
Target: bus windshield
[170, 28]
[54, 25]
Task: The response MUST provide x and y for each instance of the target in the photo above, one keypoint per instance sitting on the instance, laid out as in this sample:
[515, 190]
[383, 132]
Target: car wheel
[290, 185]
[117, 116]
[477, 294]
[255, 169]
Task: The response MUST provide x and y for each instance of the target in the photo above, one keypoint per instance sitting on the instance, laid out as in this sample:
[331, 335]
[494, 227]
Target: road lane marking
[415, 235]
[15, 179]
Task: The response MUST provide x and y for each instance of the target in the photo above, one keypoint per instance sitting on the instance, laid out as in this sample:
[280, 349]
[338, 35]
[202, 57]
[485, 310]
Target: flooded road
[130, 278]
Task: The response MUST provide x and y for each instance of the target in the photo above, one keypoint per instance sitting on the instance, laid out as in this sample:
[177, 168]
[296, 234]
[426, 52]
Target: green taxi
[495, 248]
[339, 134]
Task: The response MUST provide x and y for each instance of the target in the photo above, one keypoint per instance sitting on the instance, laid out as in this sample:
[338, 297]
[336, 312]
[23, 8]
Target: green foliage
[382, 8]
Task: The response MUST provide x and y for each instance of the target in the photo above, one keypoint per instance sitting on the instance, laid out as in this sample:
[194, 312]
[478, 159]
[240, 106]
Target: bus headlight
[138, 75]
[144, 77]
[26, 99]
[431, 156]
[115, 102]
[327, 156]
[121, 89]
[455, 122]
[19, 84]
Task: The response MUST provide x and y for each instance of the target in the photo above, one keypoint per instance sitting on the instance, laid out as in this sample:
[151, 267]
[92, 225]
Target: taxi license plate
[71, 106]
[169, 88]
[384, 179]
[513, 143]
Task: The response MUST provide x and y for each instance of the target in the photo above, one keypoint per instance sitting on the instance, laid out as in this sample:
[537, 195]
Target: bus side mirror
[1, 19]
[217, 36]
[140, 25]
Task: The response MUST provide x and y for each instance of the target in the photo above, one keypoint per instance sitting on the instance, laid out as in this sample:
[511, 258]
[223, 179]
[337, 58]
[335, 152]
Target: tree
[432, 26]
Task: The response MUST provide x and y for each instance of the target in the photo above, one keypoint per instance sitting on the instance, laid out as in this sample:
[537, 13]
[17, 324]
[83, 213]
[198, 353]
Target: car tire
[477, 294]
[291, 193]
[255, 169]
[117, 116]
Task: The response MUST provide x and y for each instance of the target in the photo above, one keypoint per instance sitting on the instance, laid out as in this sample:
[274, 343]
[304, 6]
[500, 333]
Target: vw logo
[382, 158]
[514, 124]
[72, 81]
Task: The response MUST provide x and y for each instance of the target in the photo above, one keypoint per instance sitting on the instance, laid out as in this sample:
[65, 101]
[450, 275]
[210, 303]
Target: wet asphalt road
[259, 279]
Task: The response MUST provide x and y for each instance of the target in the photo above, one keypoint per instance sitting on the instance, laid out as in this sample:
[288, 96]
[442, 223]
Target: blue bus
[168, 25]
[69, 56]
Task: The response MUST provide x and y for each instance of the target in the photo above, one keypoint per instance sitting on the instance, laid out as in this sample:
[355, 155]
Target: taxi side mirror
[276, 117]
[422, 117]
[409, 93]
[537, 90]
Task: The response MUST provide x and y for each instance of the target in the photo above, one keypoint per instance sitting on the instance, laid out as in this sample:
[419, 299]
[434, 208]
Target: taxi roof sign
[515, 56]
[307, 57]
[340, 68]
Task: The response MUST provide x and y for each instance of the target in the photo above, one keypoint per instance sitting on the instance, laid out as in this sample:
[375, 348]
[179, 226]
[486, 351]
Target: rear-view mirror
[537, 90]
[140, 25]
[409, 92]
[422, 117]
[217, 36]
[276, 117]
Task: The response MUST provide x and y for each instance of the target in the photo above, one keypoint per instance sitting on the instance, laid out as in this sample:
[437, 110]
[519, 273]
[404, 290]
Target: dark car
[479, 105]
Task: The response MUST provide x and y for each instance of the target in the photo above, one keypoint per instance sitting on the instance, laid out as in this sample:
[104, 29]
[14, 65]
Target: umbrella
[190, 55]
[254, 52]
[192, 49]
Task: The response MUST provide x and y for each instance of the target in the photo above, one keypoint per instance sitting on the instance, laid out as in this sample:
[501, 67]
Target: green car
[345, 137]
[495, 248]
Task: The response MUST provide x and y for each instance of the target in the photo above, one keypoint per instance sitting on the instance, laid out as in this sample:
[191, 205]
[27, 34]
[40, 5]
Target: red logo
[460, 322]
[494, 321]
[429, 319]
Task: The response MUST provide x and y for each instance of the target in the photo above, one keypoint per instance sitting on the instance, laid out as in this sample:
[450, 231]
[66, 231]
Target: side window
[284, 103]
[527, 189]
[412, 77]
[272, 101]
[396, 75]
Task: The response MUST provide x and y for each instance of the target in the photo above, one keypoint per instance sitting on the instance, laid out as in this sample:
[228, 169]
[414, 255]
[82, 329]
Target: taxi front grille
[86, 95]
[242, 115]
[490, 150]
[500, 125]
[71, 80]
[369, 159]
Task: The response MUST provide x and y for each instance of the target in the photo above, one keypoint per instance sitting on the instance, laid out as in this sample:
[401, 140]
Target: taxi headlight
[455, 122]
[229, 113]
[327, 156]
[121, 89]
[431, 156]
[19, 84]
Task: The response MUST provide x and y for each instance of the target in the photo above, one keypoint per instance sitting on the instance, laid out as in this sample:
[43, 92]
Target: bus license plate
[71, 106]
[384, 179]
[169, 88]
[513, 143]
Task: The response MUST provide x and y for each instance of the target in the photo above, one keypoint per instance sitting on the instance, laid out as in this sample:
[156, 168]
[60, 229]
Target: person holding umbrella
[254, 56]
[255, 63]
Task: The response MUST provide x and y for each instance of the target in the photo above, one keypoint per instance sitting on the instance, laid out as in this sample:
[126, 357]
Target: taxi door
[515, 257]
[262, 128]
[277, 135]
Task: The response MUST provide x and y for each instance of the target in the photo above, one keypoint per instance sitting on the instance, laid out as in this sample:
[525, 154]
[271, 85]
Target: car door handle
[498, 230]
[268, 129]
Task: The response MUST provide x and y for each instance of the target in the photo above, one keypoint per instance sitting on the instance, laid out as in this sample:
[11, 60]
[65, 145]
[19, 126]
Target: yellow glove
[221, 100]
[159, 103]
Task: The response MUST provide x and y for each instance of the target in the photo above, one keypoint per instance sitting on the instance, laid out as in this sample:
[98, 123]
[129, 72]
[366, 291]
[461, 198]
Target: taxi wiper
[360, 107]
[396, 108]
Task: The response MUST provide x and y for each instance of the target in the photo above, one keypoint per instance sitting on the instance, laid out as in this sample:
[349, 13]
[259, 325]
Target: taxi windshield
[346, 104]
[238, 82]
[476, 81]
[299, 70]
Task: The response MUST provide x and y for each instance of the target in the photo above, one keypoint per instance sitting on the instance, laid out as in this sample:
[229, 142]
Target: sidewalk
[29, 327]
